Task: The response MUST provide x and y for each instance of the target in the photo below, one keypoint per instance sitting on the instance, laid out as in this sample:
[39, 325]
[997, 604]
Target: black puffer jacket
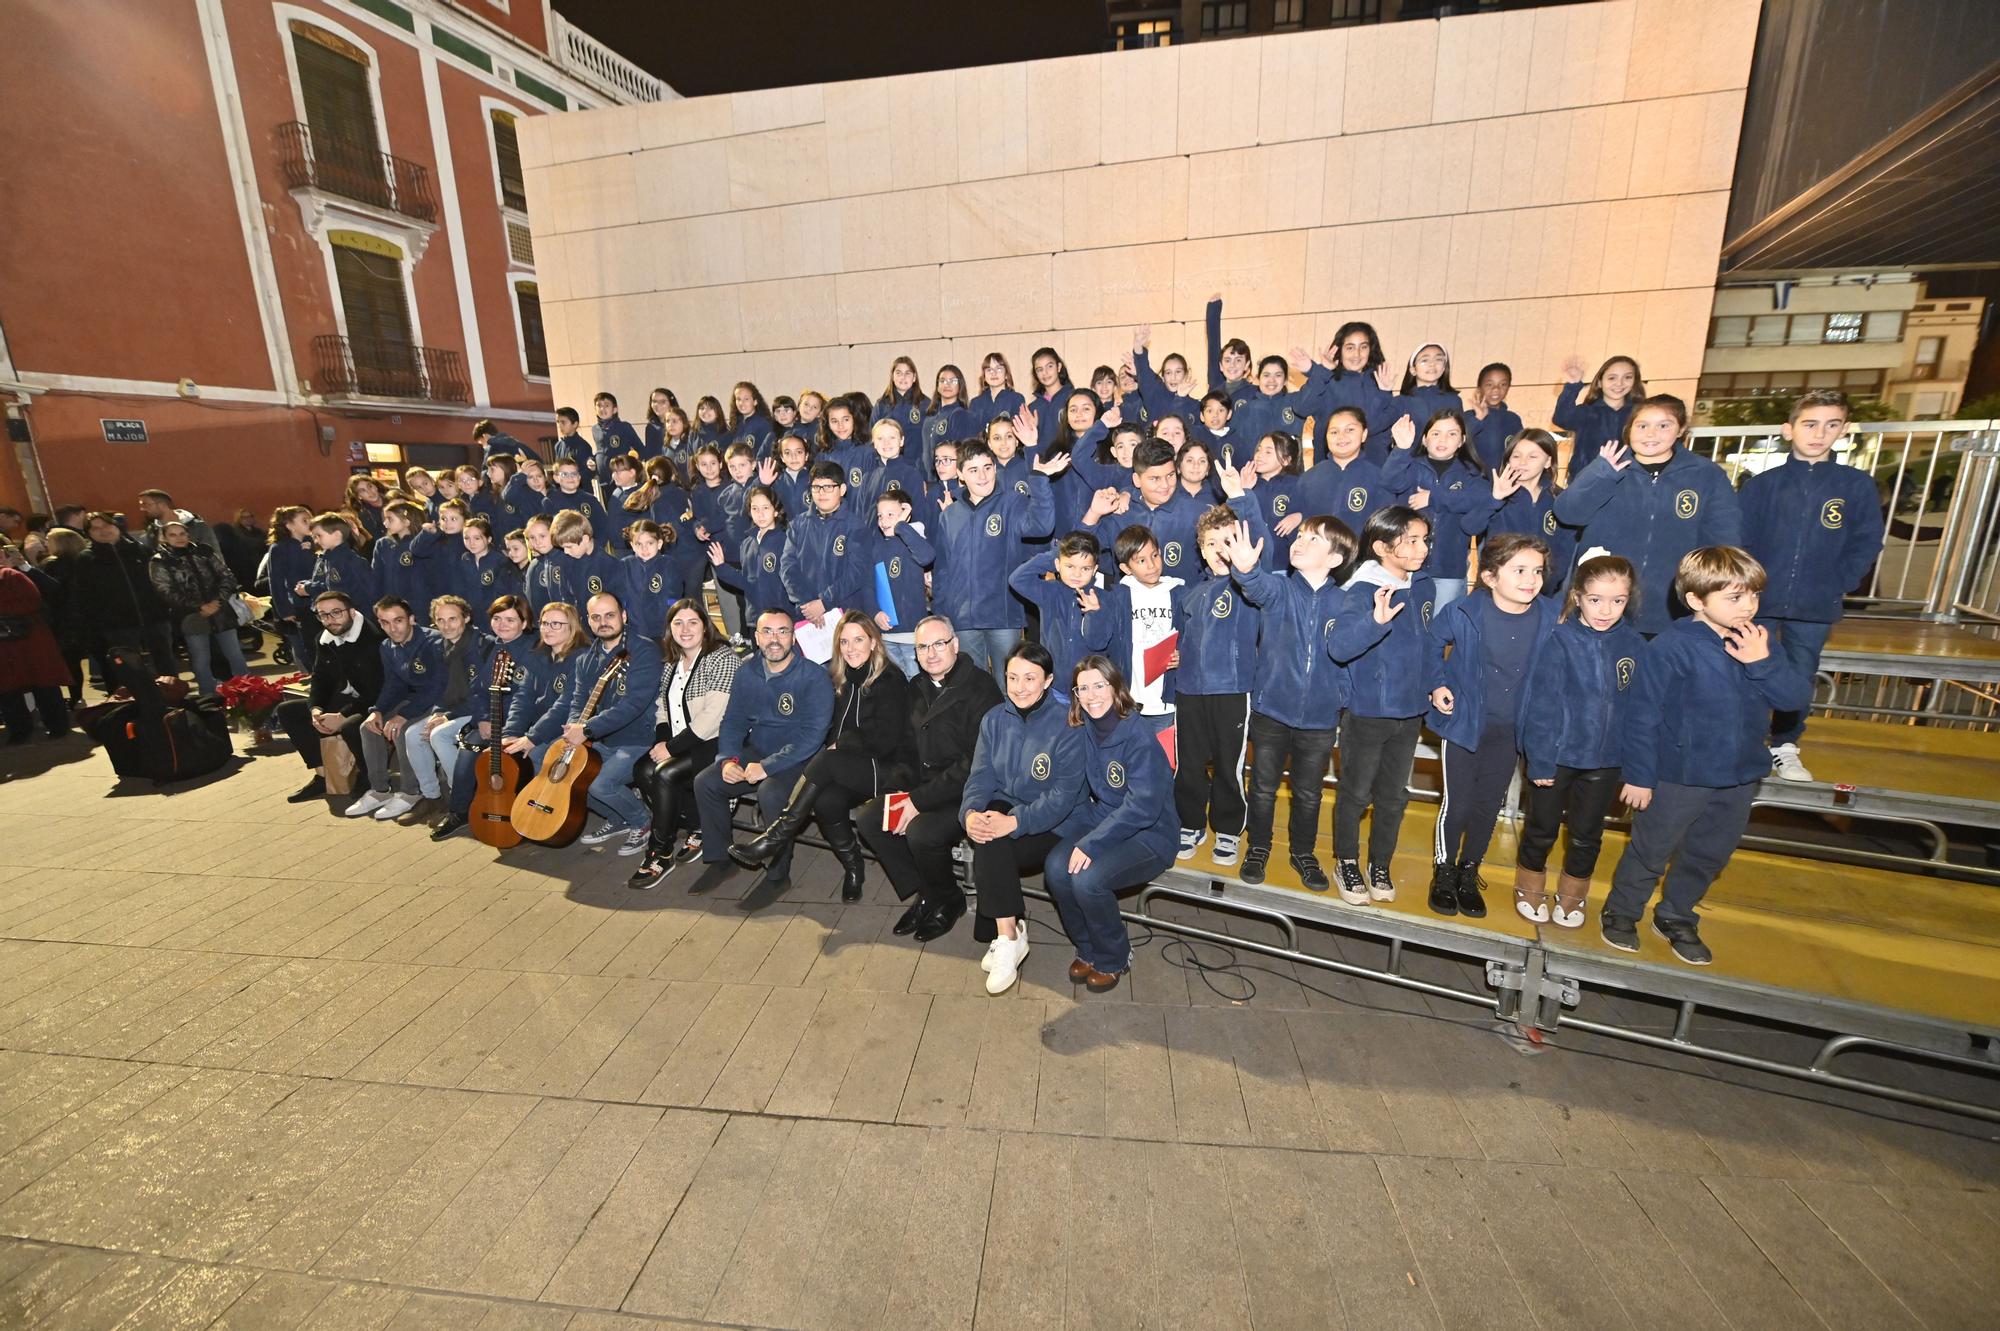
[944, 722]
[109, 589]
[874, 722]
[190, 577]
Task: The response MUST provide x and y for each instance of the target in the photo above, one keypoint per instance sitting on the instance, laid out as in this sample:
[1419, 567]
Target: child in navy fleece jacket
[1693, 748]
[1218, 659]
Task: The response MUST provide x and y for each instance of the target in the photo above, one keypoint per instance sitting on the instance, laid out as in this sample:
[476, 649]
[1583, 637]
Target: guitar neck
[496, 695]
[597, 689]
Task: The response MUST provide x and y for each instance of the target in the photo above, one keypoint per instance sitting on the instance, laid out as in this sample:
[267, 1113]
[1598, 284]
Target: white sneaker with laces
[1191, 839]
[367, 804]
[395, 807]
[1226, 848]
[1785, 764]
[603, 832]
[1007, 955]
[636, 841]
[992, 953]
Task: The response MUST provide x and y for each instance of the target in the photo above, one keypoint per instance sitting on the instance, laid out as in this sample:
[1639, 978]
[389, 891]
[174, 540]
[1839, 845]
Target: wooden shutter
[376, 305]
[340, 111]
[507, 154]
[534, 346]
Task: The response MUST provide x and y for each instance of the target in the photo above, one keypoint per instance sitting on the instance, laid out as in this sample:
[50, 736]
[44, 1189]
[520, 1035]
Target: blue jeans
[611, 794]
[429, 758]
[1448, 590]
[1088, 901]
[904, 654]
[1800, 641]
[714, 798]
[988, 649]
[199, 657]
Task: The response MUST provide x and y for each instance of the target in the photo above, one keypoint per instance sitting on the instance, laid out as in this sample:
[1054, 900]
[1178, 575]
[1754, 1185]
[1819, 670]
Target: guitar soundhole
[560, 772]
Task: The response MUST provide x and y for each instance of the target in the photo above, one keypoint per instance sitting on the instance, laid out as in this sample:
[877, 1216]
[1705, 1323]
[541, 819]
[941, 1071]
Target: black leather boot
[1444, 888]
[783, 830]
[846, 846]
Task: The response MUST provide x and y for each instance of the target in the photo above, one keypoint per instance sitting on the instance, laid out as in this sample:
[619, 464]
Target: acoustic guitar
[552, 807]
[500, 772]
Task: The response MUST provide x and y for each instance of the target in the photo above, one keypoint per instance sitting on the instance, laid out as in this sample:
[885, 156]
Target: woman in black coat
[868, 751]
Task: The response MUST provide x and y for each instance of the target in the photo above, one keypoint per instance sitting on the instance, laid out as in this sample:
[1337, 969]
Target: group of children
[1253, 603]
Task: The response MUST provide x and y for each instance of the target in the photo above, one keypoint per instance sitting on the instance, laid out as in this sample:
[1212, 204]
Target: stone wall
[1519, 186]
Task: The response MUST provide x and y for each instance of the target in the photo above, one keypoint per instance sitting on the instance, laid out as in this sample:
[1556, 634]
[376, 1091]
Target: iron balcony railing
[384, 367]
[356, 171]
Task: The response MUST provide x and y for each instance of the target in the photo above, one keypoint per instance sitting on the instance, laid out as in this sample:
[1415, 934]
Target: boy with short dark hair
[586, 570]
[1064, 603]
[1693, 748]
[1815, 524]
[1138, 615]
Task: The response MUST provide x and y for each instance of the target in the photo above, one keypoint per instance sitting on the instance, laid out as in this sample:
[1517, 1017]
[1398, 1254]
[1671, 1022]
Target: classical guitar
[499, 772]
[551, 808]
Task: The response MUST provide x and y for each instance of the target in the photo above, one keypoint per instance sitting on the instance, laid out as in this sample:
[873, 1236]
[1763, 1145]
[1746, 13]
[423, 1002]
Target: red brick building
[250, 247]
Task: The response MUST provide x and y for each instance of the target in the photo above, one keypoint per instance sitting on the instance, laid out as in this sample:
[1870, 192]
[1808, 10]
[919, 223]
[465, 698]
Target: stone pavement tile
[398, 930]
[599, 1268]
[482, 1036]
[850, 944]
[134, 1006]
[879, 1073]
[499, 951]
[350, 1307]
[936, 1281]
[17, 1255]
[649, 943]
[1353, 1114]
[761, 1056]
[1287, 1242]
[645, 1049]
[793, 955]
[1208, 1099]
[1197, 1266]
[1276, 1096]
[1069, 1082]
[939, 1085]
[1616, 1235]
[1026, 1235]
[685, 1268]
[548, 1224]
[1110, 1204]
[438, 1312]
[1830, 1140]
[56, 1144]
[1540, 1247]
[1461, 1265]
[749, 947]
[565, 928]
[614, 936]
[57, 1087]
[556, 1051]
[1734, 1272]
[1951, 1221]
[419, 941]
[1938, 1153]
[1838, 1284]
[344, 1014]
[124, 1286]
[36, 965]
[1488, 1079]
[276, 1300]
[202, 929]
[1006, 1082]
[446, 1254]
[499, 911]
[335, 937]
[298, 930]
[862, 1253]
[283, 978]
[1929, 1283]
[83, 993]
[381, 1236]
[691, 956]
[950, 965]
[772, 1277]
[191, 1299]
[811, 1078]
[304, 1229]
[690, 1071]
[1649, 1115]
[60, 1275]
[396, 1056]
[122, 1036]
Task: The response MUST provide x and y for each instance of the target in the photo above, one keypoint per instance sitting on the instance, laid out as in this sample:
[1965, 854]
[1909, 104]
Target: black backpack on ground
[149, 737]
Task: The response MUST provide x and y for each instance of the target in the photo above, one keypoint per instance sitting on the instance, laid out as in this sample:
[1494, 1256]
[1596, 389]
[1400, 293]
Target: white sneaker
[395, 807]
[1226, 849]
[367, 804]
[1785, 764]
[992, 953]
[1007, 955]
[1191, 839]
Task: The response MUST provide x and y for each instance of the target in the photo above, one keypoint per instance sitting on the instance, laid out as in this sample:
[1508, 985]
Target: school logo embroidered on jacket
[1327, 627]
[896, 566]
[1039, 769]
[1224, 604]
[404, 559]
[1626, 665]
[1426, 613]
[854, 477]
[839, 546]
[1456, 485]
[993, 524]
[770, 562]
[416, 667]
[657, 584]
[1020, 487]
[559, 683]
[1832, 514]
[1685, 504]
[1114, 776]
[785, 704]
[1549, 522]
[1173, 554]
[486, 578]
[1357, 499]
[1289, 416]
[1281, 505]
[596, 584]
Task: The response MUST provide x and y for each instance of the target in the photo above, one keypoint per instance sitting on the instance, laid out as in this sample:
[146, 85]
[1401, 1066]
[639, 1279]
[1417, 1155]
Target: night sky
[716, 47]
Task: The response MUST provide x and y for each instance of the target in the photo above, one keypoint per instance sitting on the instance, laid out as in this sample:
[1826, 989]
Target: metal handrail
[354, 170]
[385, 367]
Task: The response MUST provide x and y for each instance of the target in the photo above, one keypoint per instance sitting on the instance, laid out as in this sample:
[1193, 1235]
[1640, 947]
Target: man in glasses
[346, 681]
[948, 698]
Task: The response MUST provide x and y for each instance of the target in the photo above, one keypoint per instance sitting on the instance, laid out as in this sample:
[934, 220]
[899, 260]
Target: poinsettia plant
[252, 698]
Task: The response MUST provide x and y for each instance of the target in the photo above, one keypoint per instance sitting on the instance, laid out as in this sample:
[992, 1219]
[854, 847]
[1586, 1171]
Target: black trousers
[844, 780]
[1475, 785]
[1376, 753]
[669, 791]
[294, 717]
[1580, 797]
[918, 862]
[1307, 752]
[48, 704]
[1208, 786]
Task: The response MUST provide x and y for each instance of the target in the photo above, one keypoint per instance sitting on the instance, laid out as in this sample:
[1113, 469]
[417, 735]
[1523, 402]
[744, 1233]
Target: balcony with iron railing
[355, 171]
[376, 367]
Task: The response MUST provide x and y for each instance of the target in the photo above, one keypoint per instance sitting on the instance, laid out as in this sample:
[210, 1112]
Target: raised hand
[1086, 600]
[1111, 418]
[1505, 482]
[1573, 374]
[1141, 337]
[1750, 643]
[1051, 466]
[945, 500]
[1385, 378]
[767, 471]
[1243, 552]
[1026, 428]
[1404, 432]
[1477, 407]
[1300, 358]
[715, 555]
[1385, 609]
[1616, 454]
[1232, 484]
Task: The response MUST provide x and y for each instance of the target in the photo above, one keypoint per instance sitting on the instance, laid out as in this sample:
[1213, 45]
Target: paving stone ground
[261, 1067]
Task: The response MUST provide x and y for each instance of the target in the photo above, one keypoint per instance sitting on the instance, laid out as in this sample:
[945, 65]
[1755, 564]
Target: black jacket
[339, 666]
[945, 725]
[109, 588]
[191, 577]
[874, 722]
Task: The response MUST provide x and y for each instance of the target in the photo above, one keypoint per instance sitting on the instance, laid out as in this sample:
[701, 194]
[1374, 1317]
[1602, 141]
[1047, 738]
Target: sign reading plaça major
[117, 431]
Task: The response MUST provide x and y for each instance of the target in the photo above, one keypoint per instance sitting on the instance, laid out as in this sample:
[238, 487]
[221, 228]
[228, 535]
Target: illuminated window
[1843, 328]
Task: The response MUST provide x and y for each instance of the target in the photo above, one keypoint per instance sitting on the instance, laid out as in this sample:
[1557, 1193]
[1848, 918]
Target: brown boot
[1531, 894]
[1571, 893]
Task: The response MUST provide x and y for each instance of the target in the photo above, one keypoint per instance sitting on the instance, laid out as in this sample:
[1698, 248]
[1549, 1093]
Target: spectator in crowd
[195, 586]
[31, 663]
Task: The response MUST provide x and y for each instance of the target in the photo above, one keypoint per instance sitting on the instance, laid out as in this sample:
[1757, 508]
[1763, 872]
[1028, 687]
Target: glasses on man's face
[937, 646]
[825, 487]
[329, 614]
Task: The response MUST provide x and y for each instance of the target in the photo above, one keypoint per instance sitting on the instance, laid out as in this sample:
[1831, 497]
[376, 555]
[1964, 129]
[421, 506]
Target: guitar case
[148, 736]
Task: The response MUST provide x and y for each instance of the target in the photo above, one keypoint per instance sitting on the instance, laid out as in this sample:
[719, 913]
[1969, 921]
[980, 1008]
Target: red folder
[1159, 654]
[897, 811]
